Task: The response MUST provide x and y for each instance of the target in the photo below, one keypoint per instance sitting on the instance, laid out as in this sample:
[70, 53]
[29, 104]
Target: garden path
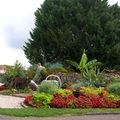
[10, 101]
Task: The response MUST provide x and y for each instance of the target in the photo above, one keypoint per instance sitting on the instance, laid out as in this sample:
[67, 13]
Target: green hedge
[114, 88]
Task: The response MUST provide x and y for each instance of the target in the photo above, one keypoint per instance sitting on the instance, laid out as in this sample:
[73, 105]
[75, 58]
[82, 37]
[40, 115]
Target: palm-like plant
[88, 69]
[84, 65]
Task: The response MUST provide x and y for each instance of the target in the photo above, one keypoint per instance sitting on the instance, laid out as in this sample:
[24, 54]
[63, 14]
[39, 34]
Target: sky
[16, 21]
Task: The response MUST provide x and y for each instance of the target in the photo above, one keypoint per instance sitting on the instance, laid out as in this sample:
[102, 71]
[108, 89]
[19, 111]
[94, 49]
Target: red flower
[62, 101]
[28, 99]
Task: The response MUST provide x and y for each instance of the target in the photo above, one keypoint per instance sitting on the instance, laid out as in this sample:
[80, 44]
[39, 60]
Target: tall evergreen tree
[63, 28]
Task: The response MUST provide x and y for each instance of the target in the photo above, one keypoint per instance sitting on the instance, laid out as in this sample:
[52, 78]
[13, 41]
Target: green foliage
[47, 87]
[117, 67]
[95, 78]
[17, 70]
[8, 92]
[115, 79]
[88, 90]
[55, 67]
[42, 98]
[84, 66]
[63, 91]
[79, 84]
[89, 69]
[39, 72]
[114, 54]
[30, 72]
[113, 96]
[114, 88]
[63, 28]
[83, 62]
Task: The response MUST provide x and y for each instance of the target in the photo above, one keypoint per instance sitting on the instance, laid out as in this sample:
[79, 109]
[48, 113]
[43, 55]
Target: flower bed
[63, 98]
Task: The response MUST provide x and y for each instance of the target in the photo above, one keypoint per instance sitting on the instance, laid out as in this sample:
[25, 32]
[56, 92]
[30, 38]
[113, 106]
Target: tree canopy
[64, 28]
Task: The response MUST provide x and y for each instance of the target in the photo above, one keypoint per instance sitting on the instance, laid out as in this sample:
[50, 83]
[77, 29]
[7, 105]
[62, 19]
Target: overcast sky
[16, 20]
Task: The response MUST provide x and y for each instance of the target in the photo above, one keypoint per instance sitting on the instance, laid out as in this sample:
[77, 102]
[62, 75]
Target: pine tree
[64, 28]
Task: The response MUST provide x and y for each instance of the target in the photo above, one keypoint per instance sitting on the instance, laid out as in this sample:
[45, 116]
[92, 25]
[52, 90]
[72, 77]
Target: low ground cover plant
[62, 98]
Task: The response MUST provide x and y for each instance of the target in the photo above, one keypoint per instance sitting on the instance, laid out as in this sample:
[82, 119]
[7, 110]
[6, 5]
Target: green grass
[47, 112]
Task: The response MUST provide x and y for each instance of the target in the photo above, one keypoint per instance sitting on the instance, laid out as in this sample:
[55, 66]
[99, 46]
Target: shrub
[8, 91]
[118, 103]
[63, 91]
[115, 79]
[83, 102]
[47, 87]
[30, 72]
[70, 78]
[106, 102]
[114, 88]
[94, 101]
[62, 101]
[13, 72]
[79, 84]
[87, 90]
[41, 99]
[113, 96]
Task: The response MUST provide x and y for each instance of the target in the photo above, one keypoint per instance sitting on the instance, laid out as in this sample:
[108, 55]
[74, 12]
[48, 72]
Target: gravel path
[84, 117]
[10, 101]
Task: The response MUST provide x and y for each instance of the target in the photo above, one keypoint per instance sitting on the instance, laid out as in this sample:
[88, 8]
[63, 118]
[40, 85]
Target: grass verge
[47, 112]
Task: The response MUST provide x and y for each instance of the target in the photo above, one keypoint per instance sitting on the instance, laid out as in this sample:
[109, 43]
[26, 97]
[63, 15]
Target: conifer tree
[64, 28]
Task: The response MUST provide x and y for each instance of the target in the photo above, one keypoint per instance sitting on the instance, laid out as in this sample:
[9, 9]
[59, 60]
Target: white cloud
[9, 55]
[16, 20]
[113, 2]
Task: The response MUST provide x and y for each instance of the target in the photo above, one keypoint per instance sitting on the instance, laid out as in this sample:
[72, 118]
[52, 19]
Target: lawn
[47, 112]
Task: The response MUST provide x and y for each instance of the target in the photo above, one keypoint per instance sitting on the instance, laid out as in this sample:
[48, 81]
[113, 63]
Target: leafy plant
[115, 79]
[41, 99]
[89, 70]
[47, 87]
[8, 91]
[62, 101]
[63, 91]
[30, 72]
[13, 71]
[114, 88]
[94, 101]
[97, 91]
[95, 78]
[84, 66]
[113, 96]
[55, 66]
